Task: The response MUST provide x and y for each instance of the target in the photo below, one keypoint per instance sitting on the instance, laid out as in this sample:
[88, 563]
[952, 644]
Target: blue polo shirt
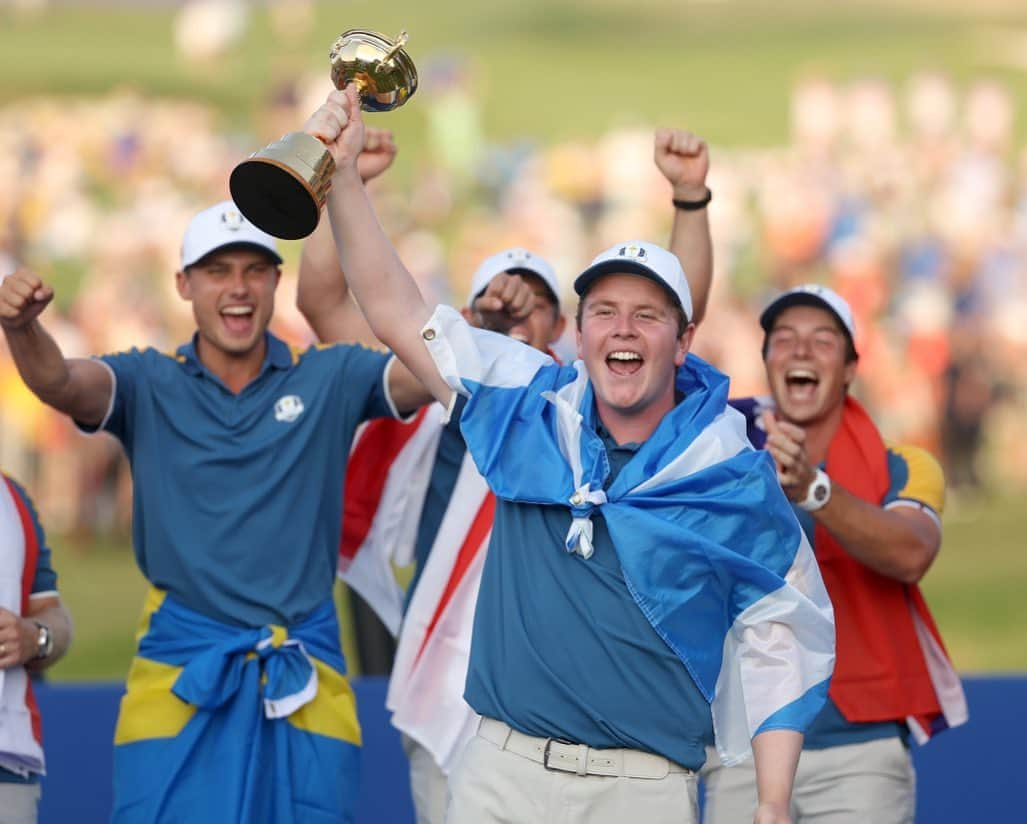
[914, 479]
[560, 648]
[44, 582]
[238, 497]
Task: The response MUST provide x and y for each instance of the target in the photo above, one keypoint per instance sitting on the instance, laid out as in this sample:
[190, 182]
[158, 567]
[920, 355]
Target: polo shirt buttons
[428, 334]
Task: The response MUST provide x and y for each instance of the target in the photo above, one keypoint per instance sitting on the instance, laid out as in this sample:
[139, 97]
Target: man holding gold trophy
[237, 704]
[429, 503]
[609, 648]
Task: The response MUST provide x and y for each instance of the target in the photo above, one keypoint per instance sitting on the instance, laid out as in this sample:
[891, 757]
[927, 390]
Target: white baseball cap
[811, 294]
[516, 261]
[638, 257]
[222, 226]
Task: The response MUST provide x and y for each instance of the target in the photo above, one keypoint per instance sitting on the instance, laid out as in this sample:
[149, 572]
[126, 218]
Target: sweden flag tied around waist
[223, 724]
[709, 546]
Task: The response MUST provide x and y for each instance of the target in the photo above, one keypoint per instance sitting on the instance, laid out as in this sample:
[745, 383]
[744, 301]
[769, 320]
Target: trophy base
[282, 189]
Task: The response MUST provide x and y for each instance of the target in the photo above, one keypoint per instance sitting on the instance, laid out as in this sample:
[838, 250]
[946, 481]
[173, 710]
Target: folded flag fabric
[225, 723]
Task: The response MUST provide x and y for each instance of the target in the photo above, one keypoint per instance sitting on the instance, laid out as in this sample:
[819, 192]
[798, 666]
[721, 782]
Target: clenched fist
[340, 126]
[378, 153]
[23, 296]
[506, 301]
[684, 160]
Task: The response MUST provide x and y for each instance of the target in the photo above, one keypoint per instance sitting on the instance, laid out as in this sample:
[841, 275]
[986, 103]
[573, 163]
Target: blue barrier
[967, 774]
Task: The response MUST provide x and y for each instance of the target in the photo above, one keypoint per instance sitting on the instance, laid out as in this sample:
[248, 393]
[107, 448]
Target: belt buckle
[546, 751]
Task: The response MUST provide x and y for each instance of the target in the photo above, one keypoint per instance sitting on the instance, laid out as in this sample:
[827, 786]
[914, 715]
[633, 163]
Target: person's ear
[183, 285]
[684, 344]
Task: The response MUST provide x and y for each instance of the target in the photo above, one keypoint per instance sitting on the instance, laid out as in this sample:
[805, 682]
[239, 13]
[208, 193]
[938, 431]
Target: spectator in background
[938, 209]
[35, 631]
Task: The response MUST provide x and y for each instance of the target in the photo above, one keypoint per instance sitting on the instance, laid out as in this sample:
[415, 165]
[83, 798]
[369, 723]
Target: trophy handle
[401, 41]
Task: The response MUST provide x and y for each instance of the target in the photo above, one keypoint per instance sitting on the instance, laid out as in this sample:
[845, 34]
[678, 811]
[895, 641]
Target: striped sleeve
[916, 478]
[44, 582]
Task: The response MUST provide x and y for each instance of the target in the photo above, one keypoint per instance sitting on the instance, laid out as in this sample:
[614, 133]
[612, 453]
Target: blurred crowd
[911, 202]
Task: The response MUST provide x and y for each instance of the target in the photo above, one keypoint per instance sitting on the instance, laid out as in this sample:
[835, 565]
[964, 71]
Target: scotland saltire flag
[710, 548]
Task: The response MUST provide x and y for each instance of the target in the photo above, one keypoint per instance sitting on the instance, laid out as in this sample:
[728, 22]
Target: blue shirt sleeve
[126, 367]
[362, 370]
[915, 476]
[45, 579]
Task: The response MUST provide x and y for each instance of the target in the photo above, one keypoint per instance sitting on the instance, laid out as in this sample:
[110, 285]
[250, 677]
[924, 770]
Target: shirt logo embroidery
[288, 408]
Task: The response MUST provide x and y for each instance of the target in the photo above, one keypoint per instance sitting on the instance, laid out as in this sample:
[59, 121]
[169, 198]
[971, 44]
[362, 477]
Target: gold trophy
[282, 188]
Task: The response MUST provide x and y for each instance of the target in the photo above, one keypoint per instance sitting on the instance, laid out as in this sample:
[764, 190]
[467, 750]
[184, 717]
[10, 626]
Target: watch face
[820, 493]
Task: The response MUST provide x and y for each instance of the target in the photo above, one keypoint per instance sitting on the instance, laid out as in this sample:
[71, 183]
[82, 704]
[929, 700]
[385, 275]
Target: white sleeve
[468, 358]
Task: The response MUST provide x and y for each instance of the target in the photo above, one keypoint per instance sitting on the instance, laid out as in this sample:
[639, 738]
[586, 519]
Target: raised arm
[684, 160]
[322, 294]
[79, 388]
[387, 294]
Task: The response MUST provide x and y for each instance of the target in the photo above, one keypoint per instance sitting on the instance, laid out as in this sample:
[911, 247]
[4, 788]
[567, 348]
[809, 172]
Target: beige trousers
[495, 785]
[19, 803]
[428, 784]
[869, 783]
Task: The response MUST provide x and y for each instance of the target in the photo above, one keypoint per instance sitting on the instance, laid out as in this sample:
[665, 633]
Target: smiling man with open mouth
[872, 512]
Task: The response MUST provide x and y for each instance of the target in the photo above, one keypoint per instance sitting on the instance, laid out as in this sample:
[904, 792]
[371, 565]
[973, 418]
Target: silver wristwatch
[818, 494]
[44, 642]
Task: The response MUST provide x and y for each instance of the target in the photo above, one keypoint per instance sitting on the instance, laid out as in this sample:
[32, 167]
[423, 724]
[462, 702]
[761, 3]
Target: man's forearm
[384, 288]
[388, 295]
[898, 543]
[77, 388]
[40, 362]
[690, 241]
[322, 294]
[776, 756]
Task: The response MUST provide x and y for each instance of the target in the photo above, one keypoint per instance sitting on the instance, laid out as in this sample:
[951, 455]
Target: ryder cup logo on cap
[811, 294]
[516, 261]
[637, 257]
[222, 226]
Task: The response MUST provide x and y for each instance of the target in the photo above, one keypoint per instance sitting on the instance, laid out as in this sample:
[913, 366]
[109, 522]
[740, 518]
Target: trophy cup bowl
[282, 188]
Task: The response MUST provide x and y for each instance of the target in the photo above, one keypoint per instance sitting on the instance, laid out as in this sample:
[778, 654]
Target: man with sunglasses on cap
[646, 587]
[872, 512]
[414, 493]
[237, 705]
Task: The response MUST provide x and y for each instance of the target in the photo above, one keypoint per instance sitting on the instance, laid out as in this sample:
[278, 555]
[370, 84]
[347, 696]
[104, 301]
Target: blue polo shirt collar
[276, 356]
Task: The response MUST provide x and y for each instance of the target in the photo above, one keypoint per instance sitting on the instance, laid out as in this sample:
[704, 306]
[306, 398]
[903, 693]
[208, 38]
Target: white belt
[555, 754]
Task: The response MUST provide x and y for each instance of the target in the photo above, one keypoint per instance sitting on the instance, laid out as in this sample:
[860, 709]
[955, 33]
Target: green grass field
[548, 69]
[975, 590]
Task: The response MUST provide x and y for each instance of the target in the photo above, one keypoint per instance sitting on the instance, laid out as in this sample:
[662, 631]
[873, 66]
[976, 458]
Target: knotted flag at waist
[708, 543]
[228, 723]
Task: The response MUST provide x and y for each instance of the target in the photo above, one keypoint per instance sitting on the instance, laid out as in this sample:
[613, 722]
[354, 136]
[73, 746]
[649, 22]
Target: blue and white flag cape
[709, 546]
